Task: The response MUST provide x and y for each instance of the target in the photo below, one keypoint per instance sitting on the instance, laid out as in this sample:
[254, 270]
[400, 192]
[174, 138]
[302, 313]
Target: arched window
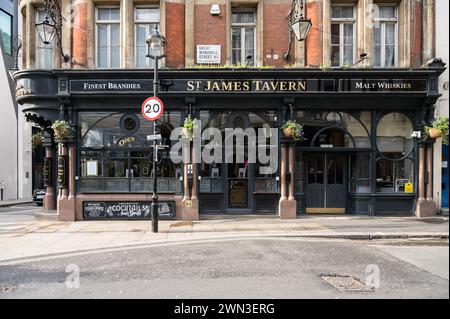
[395, 160]
[116, 157]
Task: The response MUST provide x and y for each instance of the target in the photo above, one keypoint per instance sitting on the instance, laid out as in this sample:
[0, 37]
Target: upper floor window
[6, 31]
[342, 35]
[107, 37]
[385, 37]
[44, 52]
[145, 20]
[243, 39]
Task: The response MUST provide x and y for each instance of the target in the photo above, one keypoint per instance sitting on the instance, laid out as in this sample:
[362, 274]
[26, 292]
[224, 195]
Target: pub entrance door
[326, 185]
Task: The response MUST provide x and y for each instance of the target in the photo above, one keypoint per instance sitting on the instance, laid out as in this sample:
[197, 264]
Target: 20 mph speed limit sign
[152, 108]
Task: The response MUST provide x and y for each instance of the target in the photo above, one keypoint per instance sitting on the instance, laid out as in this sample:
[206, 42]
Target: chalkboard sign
[47, 172]
[62, 169]
[127, 210]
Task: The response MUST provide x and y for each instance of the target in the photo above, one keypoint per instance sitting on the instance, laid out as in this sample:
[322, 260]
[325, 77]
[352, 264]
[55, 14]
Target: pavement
[22, 236]
[13, 202]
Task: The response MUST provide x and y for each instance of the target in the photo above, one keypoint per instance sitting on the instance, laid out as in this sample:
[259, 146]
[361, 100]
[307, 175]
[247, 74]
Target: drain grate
[346, 283]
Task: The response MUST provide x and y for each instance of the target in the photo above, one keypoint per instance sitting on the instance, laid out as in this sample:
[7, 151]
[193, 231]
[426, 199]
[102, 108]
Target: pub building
[362, 152]
[359, 155]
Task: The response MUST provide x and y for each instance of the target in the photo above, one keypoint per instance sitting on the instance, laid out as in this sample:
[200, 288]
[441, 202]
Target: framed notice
[208, 54]
[91, 168]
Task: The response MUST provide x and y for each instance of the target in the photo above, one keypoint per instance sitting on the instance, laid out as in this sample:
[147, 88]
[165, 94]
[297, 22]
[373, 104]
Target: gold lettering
[257, 85]
[274, 85]
[266, 86]
[246, 86]
[301, 86]
[292, 86]
[283, 86]
[190, 86]
[208, 86]
[215, 86]
[237, 86]
[226, 86]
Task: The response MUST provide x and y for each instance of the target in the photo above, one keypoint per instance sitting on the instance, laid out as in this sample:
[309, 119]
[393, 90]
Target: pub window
[385, 31]
[5, 31]
[145, 19]
[44, 52]
[360, 173]
[342, 36]
[395, 164]
[243, 38]
[107, 37]
[116, 159]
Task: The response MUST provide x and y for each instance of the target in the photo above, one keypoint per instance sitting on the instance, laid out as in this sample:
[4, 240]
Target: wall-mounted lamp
[298, 25]
[52, 25]
[215, 10]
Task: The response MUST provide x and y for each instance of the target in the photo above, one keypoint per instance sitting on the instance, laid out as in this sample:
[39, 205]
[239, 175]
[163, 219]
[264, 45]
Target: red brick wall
[175, 34]
[314, 50]
[276, 31]
[79, 38]
[416, 34]
[210, 29]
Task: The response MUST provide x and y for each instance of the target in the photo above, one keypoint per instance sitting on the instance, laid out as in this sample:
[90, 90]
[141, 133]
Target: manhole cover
[346, 283]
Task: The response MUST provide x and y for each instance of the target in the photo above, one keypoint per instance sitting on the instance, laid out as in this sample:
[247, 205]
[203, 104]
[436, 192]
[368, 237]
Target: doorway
[326, 190]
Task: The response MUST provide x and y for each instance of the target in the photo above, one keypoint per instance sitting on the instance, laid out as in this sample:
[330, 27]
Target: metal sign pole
[154, 206]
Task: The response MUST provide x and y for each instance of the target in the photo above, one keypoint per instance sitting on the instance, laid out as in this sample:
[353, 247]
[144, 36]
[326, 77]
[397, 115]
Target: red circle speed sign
[152, 108]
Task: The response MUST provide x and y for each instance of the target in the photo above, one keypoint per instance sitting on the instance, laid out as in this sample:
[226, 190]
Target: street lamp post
[156, 45]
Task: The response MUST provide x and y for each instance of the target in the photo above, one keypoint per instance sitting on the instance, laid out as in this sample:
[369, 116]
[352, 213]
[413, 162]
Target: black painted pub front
[359, 155]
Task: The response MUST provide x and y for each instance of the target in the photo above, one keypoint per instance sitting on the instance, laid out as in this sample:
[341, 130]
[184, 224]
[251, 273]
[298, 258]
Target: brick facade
[186, 28]
[175, 34]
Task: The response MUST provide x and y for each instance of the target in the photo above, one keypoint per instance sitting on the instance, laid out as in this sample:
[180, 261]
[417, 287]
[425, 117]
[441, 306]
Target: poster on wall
[92, 168]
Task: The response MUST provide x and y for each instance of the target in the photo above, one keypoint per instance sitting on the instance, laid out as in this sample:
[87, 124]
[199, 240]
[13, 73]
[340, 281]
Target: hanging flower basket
[294, 130]
[188, 127]
[37, 139]
[434, 132]
[62, 131]
[438, 129]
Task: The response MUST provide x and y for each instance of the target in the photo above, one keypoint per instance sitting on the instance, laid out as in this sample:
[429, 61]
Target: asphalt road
[241, 268]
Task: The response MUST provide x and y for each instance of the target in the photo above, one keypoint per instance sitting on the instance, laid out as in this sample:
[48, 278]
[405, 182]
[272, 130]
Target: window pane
[115, 35]
[387, 12]
[348, 55]
[342, 12]
[141, 34]
[389, 56]
[141, 59]
[147, 14]
[115, 57]
[102, 59]
[335, 57]
[5, 31]
[393, 175]
[243, 17]
[347, 12]
[102, 33]
[390, 33]
[394, 135]
[115, 14]
[335, 12]
[249, 38]
[335, 33]
[103, 14]
[348, 33]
